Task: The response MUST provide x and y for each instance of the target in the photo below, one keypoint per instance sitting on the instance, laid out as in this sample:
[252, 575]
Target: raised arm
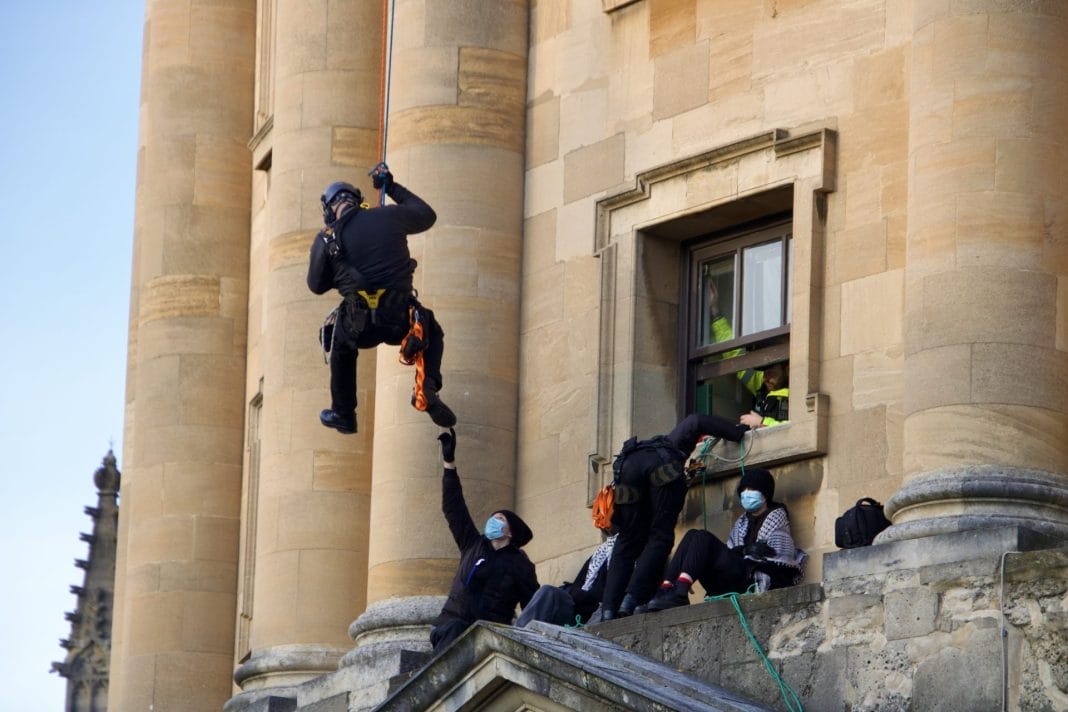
[453, 505]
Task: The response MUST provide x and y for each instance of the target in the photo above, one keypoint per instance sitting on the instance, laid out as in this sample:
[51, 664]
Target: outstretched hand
[448, 446]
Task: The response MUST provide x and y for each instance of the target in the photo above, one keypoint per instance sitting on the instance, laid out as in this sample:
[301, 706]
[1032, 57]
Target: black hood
[521, 534]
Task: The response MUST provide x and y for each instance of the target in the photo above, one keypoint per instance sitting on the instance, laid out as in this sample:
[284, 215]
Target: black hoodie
[488, 582]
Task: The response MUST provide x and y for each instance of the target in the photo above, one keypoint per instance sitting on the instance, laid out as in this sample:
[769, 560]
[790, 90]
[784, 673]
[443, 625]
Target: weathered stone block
[593, 168]
[910, 613]
[950, 679]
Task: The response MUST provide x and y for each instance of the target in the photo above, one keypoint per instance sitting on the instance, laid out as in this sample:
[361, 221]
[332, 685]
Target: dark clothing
[560, 605]
[550, 604]
[646, 535]
[685, 435]
[647, 527]
[702, 555]
[374, 255]
[390, 327]
[724, 568]
[375, 243]
[488, 582]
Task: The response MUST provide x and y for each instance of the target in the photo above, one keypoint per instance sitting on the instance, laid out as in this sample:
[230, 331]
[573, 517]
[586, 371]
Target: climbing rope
[385, 72]
[788, 695]
[706, 450]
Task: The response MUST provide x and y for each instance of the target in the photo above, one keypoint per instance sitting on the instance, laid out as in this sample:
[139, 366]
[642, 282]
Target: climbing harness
[372, 301]
[793, 703]
[412, 347]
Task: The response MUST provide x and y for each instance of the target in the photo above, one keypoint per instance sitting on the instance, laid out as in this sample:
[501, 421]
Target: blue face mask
[752, 500]
[494, 528]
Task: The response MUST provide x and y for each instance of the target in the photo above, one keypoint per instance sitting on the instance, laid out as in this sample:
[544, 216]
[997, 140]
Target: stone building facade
[885, 181]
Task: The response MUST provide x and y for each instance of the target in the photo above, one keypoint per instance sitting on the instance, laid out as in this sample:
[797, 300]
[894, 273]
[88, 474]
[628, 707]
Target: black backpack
[670, 469]
[859, 525]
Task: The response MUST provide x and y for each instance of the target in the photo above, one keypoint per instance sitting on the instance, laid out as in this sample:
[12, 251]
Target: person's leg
[428, 370]
[550, 604]
[686, 434]
[633, 531]
[666, 504]
[342, 413]
[719, 569]
[442, 635]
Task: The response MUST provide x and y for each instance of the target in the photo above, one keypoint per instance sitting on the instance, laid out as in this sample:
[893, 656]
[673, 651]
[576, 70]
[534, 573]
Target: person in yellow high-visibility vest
[769, 385]
[772, 405]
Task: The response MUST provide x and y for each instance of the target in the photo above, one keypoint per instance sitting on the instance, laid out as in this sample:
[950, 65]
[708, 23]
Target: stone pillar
[986, 292]
[456, 137]
[314, 483]
[178, 534]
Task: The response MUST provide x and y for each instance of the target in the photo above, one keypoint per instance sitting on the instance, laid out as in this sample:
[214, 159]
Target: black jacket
[488, 582]
[375, 242]
[586, 602]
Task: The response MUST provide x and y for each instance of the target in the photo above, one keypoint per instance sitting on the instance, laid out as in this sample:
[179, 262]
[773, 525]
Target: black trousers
[390, 327]
[551, 604]
[646, 532]
[686, 434]
[444, 633]
[707, 559]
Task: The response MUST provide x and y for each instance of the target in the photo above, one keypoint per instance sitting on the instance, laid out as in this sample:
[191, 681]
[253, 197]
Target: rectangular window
[738, 314]
[247, 563]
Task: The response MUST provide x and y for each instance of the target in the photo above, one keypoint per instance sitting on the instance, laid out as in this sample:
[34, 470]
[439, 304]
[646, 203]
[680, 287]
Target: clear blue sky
[70, 83]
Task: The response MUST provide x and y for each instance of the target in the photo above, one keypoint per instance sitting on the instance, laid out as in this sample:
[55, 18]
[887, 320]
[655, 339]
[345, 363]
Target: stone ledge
[934, 550]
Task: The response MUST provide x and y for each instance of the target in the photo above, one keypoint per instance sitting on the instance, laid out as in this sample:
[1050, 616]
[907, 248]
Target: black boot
[626, 608]
[340, 423]
[665, 598]
[440, 413]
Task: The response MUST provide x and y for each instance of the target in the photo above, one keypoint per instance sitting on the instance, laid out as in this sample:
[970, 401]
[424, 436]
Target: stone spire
[86, 666]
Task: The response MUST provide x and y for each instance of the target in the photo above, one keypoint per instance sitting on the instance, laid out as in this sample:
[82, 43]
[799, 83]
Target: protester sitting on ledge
[561, 605]
[494, 574]
[760, 550]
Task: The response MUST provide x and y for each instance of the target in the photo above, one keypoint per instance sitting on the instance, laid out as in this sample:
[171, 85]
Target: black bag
[669, 470]
[859, 525]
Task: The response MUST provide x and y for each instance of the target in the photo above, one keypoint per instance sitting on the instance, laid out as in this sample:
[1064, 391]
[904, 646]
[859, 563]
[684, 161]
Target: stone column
[986, 418]
[456, 137]
[314, 483]
[177, 554]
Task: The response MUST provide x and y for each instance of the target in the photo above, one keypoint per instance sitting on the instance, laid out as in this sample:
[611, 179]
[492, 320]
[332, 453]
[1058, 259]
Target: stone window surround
[637, 233]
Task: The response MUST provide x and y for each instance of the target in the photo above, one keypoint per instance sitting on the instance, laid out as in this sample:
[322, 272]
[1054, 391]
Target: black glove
[448, 445]
[381, 178]
[759, 550]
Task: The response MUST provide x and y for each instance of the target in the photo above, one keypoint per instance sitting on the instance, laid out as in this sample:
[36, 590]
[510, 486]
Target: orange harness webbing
[411, 353]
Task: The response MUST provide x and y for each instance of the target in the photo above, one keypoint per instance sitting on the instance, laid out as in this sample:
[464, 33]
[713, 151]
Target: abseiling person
[363, 253]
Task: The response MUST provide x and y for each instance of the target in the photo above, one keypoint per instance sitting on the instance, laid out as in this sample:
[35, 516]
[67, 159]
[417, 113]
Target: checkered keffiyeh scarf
[600, 557]
[775, 530]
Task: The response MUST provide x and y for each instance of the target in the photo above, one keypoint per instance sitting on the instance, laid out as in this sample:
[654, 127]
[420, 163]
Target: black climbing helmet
[336, 191]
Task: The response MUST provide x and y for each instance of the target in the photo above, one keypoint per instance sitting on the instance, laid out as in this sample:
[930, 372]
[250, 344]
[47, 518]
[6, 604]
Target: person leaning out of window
[770, 385]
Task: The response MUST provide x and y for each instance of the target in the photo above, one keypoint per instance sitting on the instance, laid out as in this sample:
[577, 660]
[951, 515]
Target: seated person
[494, 573]
[561, 605]
[760, 550]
